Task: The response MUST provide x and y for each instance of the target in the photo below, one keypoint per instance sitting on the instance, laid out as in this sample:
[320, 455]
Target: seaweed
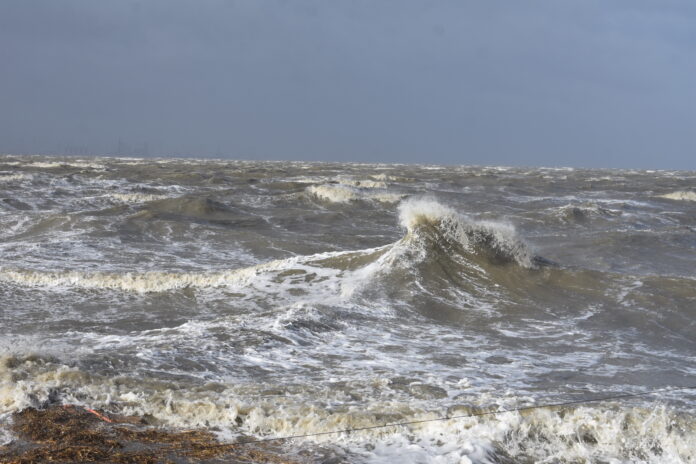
[65, 434]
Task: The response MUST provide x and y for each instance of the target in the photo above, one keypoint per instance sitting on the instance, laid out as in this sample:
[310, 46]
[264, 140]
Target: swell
[584, 213]
[194, 209]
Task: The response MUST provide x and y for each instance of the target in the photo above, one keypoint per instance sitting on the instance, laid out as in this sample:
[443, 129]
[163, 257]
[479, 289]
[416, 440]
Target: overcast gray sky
[554, 83]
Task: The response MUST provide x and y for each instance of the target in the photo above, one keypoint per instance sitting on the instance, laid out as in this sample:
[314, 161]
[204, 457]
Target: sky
[587, 83]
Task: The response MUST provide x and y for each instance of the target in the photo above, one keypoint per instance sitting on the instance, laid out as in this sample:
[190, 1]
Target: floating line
[465, 416]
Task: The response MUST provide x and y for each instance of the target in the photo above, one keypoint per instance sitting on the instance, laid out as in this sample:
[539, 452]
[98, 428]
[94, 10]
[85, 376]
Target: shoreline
[69, 433]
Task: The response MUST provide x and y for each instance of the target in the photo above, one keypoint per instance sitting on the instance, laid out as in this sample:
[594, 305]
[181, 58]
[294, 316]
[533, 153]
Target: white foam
[388, 178]
[415, 211]
[137, 197]
[281, 275]
[57, 164]
[364, 183]
[579, 435]
[15, 177]
[336, 193]
[154, 281]
[681, 195]
[333, 193]
[605, 432]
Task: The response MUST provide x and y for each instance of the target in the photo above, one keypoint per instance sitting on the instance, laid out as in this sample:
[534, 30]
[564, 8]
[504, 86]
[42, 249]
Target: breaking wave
[599, 433]
[153, 281]
[435, 234]
[338, 193]
[440, 225]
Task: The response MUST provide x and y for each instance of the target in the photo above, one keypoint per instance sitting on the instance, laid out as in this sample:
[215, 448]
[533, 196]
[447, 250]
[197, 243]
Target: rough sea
[271, 299]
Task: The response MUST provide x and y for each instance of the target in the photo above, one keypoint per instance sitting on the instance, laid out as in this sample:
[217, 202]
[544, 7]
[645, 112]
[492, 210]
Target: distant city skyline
[582, 84]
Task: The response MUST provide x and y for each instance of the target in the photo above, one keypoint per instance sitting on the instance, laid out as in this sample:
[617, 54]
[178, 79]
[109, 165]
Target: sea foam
[338, 193]
[594, 433]
[683, 195]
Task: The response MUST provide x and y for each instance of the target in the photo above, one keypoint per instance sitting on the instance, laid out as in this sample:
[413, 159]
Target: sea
[373, 313]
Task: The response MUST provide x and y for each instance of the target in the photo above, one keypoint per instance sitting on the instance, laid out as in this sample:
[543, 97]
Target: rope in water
[465, 416]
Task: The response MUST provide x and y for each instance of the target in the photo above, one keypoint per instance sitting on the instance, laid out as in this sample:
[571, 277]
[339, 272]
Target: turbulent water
[265, 299]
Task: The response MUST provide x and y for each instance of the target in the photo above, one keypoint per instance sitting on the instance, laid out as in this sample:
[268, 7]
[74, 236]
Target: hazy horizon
[218, 158]
[586, 84]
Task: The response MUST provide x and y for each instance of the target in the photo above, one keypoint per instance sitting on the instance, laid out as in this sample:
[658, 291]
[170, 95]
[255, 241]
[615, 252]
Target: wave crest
[428, 219]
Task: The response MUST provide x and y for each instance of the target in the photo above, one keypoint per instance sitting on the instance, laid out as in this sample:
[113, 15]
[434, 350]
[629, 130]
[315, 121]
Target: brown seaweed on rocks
[67, 434]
